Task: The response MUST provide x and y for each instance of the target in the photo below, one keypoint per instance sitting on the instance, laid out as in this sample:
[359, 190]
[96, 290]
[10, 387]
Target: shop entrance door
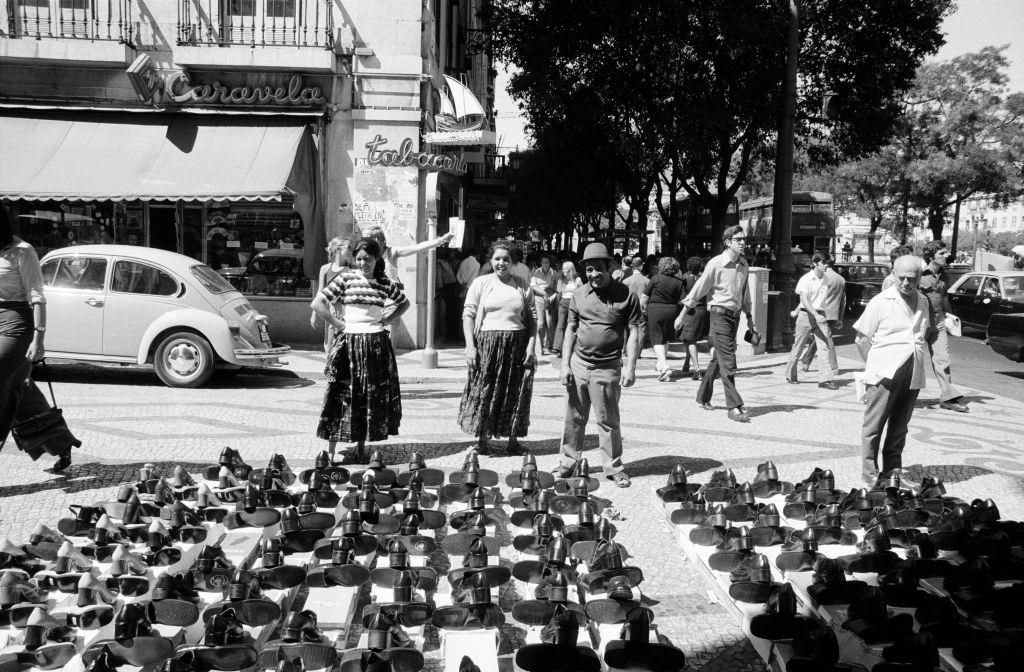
[163, 227]
[192, 232]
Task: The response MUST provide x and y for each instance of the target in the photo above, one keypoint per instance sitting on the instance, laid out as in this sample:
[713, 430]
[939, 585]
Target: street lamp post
[782, 207]
[429, 355]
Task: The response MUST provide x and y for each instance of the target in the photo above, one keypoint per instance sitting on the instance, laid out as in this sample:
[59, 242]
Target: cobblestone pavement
[126, 418]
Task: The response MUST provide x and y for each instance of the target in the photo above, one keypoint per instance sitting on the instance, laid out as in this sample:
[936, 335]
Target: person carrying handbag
[22, 335]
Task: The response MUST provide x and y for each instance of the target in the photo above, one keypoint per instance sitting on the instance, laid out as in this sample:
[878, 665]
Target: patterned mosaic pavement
[125, 418]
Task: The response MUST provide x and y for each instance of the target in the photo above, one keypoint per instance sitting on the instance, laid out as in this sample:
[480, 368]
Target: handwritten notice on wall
[386, 197]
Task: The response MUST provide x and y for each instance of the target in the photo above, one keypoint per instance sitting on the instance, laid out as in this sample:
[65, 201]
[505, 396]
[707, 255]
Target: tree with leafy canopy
[703, 78]
[961, 134]
[873, 187]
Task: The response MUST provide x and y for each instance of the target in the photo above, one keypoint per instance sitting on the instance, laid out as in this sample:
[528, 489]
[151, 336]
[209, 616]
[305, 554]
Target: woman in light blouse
[500, 328]
[22, 327]
[568, 283]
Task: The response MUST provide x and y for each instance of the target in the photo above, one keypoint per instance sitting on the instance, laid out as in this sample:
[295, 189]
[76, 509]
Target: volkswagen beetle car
[136, 305]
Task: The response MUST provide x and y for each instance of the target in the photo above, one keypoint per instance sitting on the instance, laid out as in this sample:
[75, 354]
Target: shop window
[52, 225]
[258, 248]
[131, 277]
[80, 273]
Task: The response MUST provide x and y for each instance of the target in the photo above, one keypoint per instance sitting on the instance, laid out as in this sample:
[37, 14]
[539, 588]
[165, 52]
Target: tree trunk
[719, 210]
[956, 220]
[936, 221]
[903, 220]
[876, 220]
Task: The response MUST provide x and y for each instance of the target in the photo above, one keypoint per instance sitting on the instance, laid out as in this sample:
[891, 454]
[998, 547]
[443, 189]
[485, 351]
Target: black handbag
[45, 432]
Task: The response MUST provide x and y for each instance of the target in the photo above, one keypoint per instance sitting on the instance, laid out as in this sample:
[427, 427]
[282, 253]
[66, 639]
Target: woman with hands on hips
[500, 328]
[363, 400]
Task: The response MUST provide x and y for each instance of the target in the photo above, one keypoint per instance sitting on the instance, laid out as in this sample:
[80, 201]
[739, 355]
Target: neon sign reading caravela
[216, 93]
[405, 156]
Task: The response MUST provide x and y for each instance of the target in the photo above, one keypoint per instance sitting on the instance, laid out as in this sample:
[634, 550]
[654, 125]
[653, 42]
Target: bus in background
[813, 229]
[692, 236]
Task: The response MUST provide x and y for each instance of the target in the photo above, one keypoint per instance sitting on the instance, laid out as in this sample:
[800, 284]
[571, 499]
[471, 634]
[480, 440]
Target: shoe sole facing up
[652, 656]
[174, 612]
[226, 657]
[314, 656]
[248, 612]
[143, 651]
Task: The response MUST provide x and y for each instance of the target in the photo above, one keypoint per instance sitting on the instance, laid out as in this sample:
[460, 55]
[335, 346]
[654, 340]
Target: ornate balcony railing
[294, 23]
[71, 19]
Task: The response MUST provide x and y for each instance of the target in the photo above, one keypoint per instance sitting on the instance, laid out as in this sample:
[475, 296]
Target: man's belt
[731, 312]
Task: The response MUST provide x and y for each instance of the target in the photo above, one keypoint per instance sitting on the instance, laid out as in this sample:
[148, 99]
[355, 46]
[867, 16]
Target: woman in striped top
[363, 401]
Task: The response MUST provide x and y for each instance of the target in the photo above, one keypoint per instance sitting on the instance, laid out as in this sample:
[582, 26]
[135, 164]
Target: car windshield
[211, 280]
[1013, 285]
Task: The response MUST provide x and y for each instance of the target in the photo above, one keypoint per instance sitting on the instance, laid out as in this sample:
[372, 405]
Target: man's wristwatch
[40, 328]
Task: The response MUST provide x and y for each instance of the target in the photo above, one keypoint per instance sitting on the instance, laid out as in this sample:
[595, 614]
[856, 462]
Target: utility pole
[782, 204]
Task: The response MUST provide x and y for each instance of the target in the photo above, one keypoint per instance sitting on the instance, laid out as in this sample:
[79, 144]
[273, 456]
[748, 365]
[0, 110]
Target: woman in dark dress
[363, 401]
[695, 321]
[661, 300]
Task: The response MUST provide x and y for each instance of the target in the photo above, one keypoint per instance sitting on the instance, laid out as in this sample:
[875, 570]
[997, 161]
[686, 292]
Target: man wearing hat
[604, 318]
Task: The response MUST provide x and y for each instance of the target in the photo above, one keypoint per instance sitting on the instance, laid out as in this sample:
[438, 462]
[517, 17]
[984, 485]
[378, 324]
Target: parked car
[978, 295]
[863, 282]
[136, 305]
[271, 272]
[1006, 335]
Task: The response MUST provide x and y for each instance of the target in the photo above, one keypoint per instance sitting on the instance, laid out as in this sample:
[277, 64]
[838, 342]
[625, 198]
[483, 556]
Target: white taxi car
[136, 305]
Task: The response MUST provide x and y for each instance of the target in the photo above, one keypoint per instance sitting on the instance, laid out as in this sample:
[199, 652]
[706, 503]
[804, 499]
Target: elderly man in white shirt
[892, 337]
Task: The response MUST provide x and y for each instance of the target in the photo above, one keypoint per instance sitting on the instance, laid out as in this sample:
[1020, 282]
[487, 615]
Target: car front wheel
[184, 359]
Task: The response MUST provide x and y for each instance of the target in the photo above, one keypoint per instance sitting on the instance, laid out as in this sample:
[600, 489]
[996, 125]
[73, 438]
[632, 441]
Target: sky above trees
[976, 23]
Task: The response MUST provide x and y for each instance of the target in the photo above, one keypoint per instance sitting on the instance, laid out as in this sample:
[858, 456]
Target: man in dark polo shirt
[604, 316]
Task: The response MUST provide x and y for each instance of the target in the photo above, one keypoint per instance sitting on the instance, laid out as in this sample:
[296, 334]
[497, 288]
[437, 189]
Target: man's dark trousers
[724, 324]
[889, 407]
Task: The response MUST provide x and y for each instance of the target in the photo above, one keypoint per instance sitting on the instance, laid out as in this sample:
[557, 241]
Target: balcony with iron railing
[256, 23]
[281, 35]
[70, 19]
[84, 32]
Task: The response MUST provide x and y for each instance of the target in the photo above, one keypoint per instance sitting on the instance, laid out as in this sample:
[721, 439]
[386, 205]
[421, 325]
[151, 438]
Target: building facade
[245, 133]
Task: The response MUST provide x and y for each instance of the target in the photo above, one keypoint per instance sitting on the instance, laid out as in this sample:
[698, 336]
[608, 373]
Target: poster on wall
[386, 197]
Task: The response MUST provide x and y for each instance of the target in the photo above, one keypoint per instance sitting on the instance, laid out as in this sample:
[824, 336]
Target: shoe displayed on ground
[955, 406]
[559, 649]
[48, 657]
[229, 458]
[300, 640]
[678, 488]
[868, 617]
[477, 612]
[636, 648]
